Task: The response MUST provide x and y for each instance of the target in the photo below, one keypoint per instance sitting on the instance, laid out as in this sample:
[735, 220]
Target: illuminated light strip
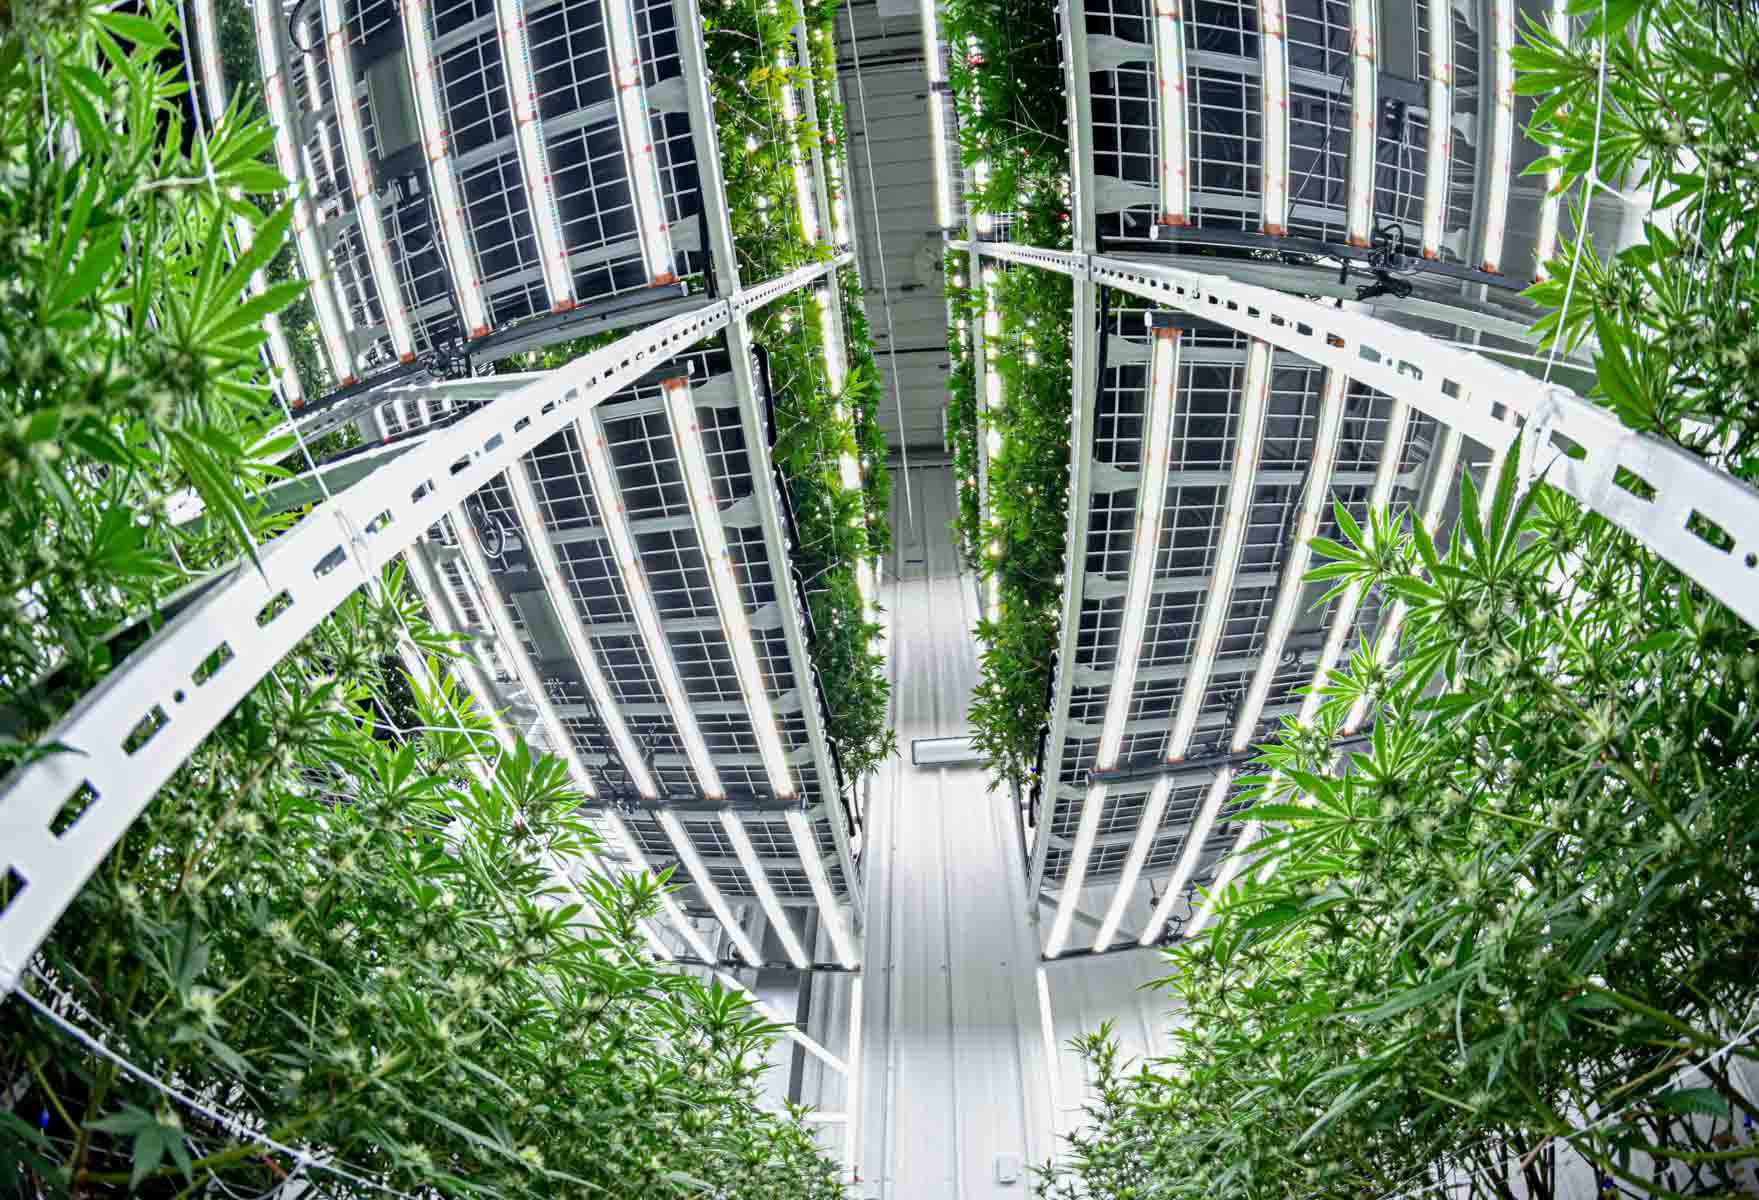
[1551, 207]
[699, 876]
[1199, 833]
[1385, 476]
[638, 142]
[809, 224]
[537, 538]
[436, 141]
[208, 50]
[1169, 49]
[1150, 502]
[647, 617]
[1289, 591]
[1364, 117]
[534, 164]
[511, 649]
[360, 173]
[1091, 811]
[311, 259]
[1255, 400]
[1440, 487]
[1273, 49]
[760, 885]
[937, 136]
[1441, 127]
[1502, 130]
[830, 914]
[705, 512]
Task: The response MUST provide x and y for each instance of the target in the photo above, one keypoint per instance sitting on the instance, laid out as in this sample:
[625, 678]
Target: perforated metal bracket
[60, 815]
[1702, 520]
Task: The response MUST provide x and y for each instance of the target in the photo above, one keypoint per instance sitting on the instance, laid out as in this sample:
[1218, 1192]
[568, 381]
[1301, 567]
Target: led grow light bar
[1364, 117]
[1291, 588]
[1174, 150]
[1441, 126]
[1441, 481]
[1163, 373]
[937, 135]
[760, 886]
[1085, 834]
[705, 512]
[454, 226]
[809, 225]
[1344, 617]
[534, 165]
[1199, 833]
[1151, 493]
[511, 648]
[1273, 49]
[208, 50]
[1255, 399]
[1502, 129]
[647, 618]
[1550, 208]
[638, 142]
[699, 876]
[561, 596]
[830, 913]
[311, 258]
[360, 174]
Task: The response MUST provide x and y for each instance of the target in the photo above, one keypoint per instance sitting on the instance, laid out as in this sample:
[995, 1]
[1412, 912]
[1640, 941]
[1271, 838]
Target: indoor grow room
[756, 598]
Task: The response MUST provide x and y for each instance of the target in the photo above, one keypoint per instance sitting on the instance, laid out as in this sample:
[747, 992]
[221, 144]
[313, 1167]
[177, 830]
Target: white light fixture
[931, 40]
[1273, 49]
[1147, 829]
[1194, 839]
[686, 851]
[760, 886]
[1091, 811]
[831, 334]
[937, 136]
[360, 174]
[641, 602]
[1151, 488]
[809, 224]
[1441, 480]
[729, 600]
[512, 649]
[638, 142]
[534, 165]
[830, 913]
[1364, 117]
[453, 224]
[1502, 129]
[208, 49]
[1255, 400]
[1291, 588]
[1558, 19]
[1174, 150]
[1343, 619]
[561, 596]
[1441, 127]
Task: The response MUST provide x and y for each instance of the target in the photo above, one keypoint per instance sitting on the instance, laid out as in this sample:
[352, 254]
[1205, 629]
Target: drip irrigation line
[237, 1126]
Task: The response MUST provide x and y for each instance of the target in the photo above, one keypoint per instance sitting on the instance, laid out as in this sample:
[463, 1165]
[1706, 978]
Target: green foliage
[1017, 548]
[1528, 902]
[838, 529]
[344, 919]
[1675, 314]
